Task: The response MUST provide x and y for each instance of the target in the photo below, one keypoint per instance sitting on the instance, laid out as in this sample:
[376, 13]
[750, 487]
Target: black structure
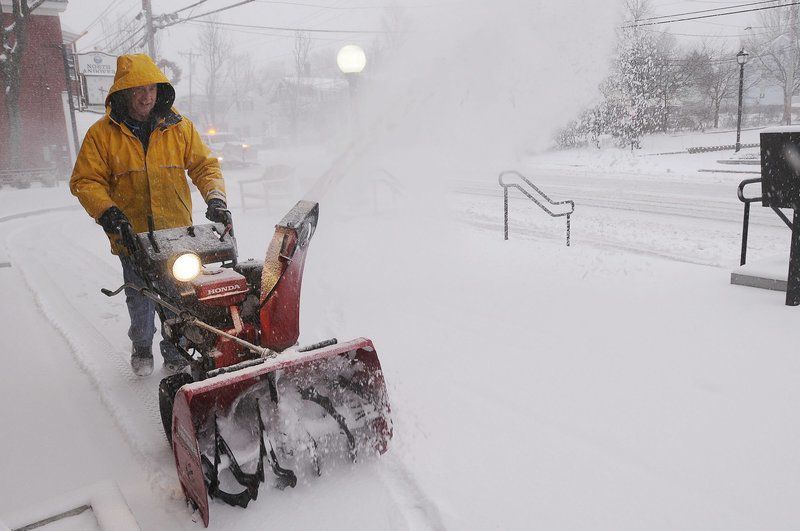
[780, 188]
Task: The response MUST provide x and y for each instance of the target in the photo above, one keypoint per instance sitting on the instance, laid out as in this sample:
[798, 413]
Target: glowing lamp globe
[742, 56]
[351, 59]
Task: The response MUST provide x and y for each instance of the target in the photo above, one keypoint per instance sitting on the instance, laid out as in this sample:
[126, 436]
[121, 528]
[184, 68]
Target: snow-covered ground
[619, 383]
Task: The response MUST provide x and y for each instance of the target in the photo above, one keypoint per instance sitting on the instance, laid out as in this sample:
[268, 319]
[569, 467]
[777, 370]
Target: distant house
[308, 108]
[275, 111]
[244, 114]
[44, 123]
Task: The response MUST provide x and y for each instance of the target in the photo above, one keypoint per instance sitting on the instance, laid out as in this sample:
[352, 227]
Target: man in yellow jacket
[132, 165]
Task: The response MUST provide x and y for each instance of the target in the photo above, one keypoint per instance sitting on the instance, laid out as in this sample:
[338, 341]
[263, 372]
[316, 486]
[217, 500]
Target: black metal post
[352, 86]
[505, 212]
[567, 230]
[739, 121]
[793, 279]
[745, 226]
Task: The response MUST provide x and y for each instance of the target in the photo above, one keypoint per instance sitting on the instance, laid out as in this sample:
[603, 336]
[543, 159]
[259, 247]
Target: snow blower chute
[256, 407]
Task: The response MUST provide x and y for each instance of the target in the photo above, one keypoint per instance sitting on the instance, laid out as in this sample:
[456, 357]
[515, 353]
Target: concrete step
[768, 273]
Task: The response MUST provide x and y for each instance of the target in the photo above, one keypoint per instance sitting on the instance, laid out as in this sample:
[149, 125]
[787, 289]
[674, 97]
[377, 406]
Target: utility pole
[151, 32]
[191, 55]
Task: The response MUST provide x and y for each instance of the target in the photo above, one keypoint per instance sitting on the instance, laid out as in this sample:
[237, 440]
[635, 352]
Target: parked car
[230, 149]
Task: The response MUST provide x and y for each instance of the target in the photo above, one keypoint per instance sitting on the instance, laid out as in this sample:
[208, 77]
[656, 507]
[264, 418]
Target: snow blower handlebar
[228, 224]
[190, 319]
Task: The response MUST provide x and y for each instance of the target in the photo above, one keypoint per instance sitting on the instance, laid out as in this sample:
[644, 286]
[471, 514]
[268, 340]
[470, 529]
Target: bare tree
[672, 75]
[302, 47]
[776, 53]
[715, 78]
[243, 78]
[636, 10]
[395, 24]
[215, 48]
[14, 40]
[242, 75]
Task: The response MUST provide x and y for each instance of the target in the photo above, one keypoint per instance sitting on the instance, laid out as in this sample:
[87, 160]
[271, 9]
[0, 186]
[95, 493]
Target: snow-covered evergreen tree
[632, 90]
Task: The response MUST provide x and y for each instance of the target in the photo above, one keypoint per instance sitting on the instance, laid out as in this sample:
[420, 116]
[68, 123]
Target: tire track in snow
[30, 213]
[418, 509]
[594, 242]
[61, 280]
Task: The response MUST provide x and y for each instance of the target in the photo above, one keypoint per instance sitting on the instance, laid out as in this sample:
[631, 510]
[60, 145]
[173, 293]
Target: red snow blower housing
[253, 396]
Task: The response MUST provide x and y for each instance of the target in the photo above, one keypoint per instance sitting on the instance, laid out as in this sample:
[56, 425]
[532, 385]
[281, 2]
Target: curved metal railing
[746, 218]
[530, 196]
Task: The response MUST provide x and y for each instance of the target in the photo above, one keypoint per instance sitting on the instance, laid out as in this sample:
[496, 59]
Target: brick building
[44, 124]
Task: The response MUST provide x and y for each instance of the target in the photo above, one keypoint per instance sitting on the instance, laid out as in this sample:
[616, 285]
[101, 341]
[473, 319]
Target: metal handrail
[532, 198]
[746, 218]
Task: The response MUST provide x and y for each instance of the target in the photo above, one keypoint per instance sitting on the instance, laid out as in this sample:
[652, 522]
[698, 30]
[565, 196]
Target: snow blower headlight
[186, 267]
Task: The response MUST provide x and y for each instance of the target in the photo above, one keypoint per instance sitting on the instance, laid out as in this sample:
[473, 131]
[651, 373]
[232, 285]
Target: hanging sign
[97, 64]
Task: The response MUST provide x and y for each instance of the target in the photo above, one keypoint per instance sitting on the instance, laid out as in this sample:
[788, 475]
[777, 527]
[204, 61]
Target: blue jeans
[142, 312]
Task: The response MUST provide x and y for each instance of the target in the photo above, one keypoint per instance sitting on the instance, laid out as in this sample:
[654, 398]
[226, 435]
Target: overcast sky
[345, 15]
[442, 17]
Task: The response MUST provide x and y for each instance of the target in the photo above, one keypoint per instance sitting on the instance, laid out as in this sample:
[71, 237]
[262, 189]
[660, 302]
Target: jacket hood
[137, 70]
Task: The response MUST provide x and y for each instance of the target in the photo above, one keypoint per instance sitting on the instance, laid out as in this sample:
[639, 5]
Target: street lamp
[351, 60]
[741, 58]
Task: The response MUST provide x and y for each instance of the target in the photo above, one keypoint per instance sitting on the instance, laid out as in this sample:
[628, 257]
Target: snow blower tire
[167, 390]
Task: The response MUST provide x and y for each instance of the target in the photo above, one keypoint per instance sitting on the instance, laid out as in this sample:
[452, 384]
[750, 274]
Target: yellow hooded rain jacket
[112, 168]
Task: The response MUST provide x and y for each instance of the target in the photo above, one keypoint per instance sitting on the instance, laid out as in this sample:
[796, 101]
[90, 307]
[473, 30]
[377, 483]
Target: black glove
[112, 220]
[218, 211]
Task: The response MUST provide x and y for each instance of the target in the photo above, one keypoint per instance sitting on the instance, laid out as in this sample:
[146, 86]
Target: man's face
[141, 101]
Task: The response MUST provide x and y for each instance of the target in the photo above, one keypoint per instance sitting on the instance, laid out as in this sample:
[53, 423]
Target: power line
[137, 44]
[279, 28]
[102, 13]
[732, 58]
[129, 37]
[191, 6]
[314, 5]
[162, 22]
[708, 10]
[265, 34]
[635, 25]
[442, 4]
[704, 35]
[105, 40]
[206, 13]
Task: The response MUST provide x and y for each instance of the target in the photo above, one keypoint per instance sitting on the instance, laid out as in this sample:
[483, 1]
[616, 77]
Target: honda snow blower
[256, 408]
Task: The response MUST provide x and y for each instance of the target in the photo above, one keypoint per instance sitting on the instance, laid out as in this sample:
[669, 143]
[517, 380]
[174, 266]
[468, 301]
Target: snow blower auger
[255, 408]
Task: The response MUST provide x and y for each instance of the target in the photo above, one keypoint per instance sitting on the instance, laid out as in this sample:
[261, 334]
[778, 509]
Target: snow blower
[254, 407]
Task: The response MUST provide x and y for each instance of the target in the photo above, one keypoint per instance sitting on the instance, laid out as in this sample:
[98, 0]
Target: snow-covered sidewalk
[620, 383]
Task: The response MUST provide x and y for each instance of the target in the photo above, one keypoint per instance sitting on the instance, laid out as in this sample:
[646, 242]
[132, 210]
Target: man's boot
[173, 360]
[142, 360]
